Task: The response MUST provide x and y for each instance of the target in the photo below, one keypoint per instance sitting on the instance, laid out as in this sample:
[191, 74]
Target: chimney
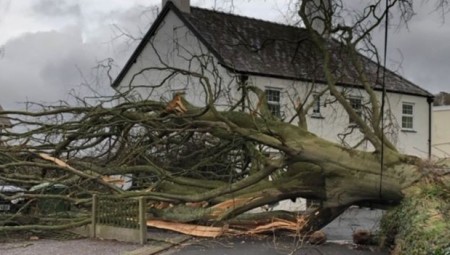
[182, 5]
[319, 13]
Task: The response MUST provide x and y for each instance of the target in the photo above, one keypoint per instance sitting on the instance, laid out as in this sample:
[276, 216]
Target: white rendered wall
[335, 120]
[441, 132]
[174, 46]
[416, 141]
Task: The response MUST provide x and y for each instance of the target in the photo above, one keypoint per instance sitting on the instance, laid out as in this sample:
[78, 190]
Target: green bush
[420, 224]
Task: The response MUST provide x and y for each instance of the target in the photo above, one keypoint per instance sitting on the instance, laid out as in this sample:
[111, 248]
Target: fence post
[94, 216]
[142, 221]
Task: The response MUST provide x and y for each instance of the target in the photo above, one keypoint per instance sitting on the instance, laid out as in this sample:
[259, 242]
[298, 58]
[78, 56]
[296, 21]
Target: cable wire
[383, 97]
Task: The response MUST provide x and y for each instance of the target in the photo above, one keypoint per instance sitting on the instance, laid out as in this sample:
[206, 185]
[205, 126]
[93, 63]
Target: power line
[383, 96]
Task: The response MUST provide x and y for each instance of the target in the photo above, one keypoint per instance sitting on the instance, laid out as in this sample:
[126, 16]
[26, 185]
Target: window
[356, 104]
[407, 115]
[316, 106]
[274, 101]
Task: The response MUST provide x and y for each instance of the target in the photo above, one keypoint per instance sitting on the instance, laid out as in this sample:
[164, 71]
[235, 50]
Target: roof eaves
[429, 95]
[342, 84]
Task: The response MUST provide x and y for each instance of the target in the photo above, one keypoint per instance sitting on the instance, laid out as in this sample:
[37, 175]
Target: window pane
[273, 95]
[407, 109]
[274, 109]
[316, 106]
[356, 104]
[407, 122]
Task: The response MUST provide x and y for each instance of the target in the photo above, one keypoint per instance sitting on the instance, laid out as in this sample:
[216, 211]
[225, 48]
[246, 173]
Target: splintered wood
[176, 106]
[294, 225]
[188, 229]
[229, 204]
[114, 179]
[206, 231]
[57, 161]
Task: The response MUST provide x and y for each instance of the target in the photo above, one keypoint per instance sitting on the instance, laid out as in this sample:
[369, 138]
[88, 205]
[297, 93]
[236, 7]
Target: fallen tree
[204, 166]
[306, 166]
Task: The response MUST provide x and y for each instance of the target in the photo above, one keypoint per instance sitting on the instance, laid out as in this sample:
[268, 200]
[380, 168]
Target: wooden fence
[122, 219]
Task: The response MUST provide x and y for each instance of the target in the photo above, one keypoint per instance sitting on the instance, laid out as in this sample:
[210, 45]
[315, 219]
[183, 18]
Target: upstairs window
[356, 104]
[274, 101]
[407, 116]
[316, 106]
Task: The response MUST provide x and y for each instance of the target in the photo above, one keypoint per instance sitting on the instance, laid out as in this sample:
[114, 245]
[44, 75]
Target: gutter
[430, 101]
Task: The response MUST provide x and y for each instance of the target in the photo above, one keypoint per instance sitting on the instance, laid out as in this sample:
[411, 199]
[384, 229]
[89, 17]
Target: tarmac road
[337, 231]
[269, 246]
[339, 234]
[352, 219]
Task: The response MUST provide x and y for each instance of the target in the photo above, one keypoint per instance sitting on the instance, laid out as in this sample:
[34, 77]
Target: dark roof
[4, 122]
[251, 46]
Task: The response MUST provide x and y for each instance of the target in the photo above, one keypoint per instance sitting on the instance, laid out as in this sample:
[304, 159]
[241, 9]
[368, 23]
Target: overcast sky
[50, 48]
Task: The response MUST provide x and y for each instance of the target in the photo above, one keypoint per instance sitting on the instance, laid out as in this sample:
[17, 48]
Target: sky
[52, 50]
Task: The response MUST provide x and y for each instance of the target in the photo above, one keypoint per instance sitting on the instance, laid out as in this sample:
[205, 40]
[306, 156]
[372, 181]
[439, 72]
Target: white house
[441, 131]
[232, 51]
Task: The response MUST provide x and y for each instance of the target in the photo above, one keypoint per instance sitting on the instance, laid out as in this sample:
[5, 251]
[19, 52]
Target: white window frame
[276, 104]
[408, 115]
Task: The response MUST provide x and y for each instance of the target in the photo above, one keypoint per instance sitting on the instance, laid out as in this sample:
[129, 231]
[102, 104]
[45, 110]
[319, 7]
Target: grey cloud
[45, 66]
[123, 31]
[4, 7]
[421, 53]
[125, 27]
[57, 8]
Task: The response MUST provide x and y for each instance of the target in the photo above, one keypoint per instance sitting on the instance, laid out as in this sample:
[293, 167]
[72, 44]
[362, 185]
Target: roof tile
[255, 46]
